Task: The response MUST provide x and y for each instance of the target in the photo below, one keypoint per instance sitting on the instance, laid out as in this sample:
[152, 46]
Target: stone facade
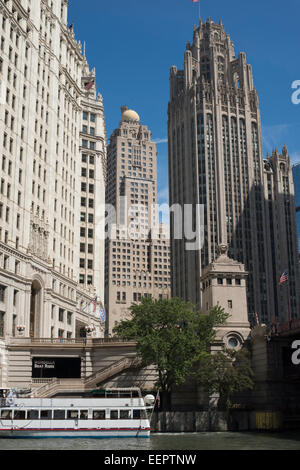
[224, 284]
[282, 231]
[137, 246]
[216, 160]
[43, 77]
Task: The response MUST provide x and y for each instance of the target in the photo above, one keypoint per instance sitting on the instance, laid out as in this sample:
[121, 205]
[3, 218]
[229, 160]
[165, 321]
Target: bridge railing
[81, 342]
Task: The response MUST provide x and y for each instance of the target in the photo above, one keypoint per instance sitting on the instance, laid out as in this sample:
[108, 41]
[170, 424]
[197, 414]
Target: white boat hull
[72, 434]
[113, 416]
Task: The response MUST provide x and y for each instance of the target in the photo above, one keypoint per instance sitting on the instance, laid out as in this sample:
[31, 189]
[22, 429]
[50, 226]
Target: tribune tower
[216, 159]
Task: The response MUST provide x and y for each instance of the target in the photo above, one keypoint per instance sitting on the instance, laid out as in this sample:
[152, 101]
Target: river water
[194, 441]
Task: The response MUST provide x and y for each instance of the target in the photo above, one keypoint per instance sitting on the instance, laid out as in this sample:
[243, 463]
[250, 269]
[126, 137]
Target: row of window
[89, 116]
[10, 414]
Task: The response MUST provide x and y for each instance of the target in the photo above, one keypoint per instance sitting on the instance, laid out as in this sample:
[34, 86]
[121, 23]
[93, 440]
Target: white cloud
[160, 141]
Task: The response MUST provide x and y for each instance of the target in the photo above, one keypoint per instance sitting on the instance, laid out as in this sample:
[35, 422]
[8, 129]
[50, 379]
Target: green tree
[172, 335]
[225, 373]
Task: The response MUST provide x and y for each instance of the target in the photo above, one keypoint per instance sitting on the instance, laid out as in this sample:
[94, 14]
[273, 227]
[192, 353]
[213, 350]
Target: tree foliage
[226, 373]
[172, 335]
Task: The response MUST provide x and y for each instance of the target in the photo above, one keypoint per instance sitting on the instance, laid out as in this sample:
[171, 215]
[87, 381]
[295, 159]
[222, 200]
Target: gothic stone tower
[215, 159]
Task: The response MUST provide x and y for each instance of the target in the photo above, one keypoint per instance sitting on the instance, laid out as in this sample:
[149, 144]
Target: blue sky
[134, 43]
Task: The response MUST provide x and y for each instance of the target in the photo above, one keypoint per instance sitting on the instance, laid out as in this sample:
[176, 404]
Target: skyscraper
[137, 247]
[44, 76]
[216, 160]
[296, 177]
[280, 217]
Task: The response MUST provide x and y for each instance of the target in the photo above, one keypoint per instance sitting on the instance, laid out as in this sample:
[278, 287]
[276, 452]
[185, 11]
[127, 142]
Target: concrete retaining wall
[213, 421]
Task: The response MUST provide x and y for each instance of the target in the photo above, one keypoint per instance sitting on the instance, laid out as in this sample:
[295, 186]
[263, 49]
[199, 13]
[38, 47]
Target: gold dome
[130, 115]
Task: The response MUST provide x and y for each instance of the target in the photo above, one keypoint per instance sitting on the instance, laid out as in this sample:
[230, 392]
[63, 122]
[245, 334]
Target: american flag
[102, 315]
[94, 302]
[158, 399]
[284, 278]
[89, 85]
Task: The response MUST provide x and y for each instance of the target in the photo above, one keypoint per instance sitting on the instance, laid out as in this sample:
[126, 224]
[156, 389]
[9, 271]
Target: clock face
[233, 342]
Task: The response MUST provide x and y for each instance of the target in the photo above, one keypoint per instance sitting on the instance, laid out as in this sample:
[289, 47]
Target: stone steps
[82, 385]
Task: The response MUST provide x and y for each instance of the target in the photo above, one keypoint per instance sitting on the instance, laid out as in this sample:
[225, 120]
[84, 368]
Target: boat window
[139, 414]
[6, 414]
[19, 414]
[114, 414]
[135, 394]
[84, 414]
[46, 414]
[59, 414]
[72, 414]
[125, 414]
[33, 414]
[99, 414]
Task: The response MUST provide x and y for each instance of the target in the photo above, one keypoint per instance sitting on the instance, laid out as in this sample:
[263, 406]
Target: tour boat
[109, 413]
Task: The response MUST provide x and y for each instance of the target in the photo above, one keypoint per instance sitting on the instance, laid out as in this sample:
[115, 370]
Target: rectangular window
[2, 316]
[2, 293]
[33, 414]
[114, 414]
[99, 414]
[59, 414]
[19, 414]
[6, 414]
[84, 414]
[61, 315]
[46, 414]
[136, 414]
[125, 414]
